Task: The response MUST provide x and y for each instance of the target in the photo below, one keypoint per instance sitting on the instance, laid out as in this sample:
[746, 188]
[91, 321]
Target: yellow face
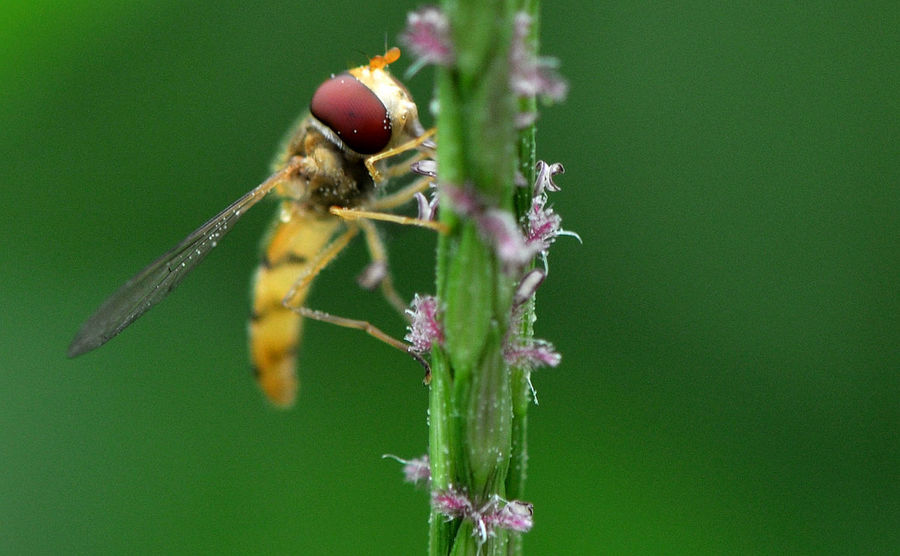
[401, 108]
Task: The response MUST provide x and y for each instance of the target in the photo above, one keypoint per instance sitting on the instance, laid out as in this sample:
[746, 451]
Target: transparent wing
[153, 284]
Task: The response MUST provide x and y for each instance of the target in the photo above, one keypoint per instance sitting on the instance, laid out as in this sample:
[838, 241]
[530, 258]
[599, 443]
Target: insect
[327, 177]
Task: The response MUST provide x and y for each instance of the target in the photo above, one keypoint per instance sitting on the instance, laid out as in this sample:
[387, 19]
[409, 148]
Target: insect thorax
[331, 177]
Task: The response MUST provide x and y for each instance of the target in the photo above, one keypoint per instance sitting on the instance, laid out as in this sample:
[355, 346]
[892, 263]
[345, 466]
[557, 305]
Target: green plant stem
[474, 396]
[520, 377]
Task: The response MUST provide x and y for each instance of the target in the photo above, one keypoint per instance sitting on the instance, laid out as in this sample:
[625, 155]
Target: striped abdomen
[290, 250]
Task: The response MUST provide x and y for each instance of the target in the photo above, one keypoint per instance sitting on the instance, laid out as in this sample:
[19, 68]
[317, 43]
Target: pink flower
[531, 354]
[494, 514]
[544, 179]
[533, 76]
[424, 330]
[427, 35]
[497, 226]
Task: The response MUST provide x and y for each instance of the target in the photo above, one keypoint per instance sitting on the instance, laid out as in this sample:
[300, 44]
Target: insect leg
[351, 214]
[383, 279]
[301, 285]
[402, 196]
[369, 329]
[399, 149]
[297, 295]
[402, 168]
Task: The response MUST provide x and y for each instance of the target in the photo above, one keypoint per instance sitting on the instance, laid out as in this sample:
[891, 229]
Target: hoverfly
[327, 177]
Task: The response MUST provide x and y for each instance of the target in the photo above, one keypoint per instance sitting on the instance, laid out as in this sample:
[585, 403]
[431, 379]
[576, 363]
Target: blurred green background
[729, 327]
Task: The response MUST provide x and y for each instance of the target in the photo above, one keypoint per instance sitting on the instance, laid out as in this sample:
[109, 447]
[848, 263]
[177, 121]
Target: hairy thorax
[332, 176]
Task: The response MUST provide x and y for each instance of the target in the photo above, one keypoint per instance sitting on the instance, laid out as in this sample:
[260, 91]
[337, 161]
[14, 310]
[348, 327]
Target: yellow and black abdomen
[290, 251]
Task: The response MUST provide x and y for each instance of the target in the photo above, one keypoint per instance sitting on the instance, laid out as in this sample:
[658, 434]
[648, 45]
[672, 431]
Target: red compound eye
[353, 112]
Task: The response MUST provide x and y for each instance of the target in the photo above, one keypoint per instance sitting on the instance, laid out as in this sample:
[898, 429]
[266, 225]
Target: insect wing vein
[153, 283]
